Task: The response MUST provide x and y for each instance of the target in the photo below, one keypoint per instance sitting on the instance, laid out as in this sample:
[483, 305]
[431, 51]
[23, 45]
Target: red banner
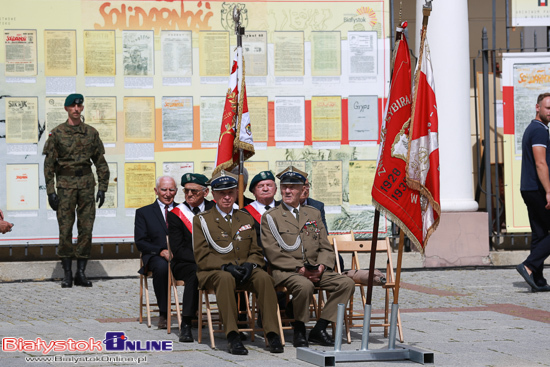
[236, 132]
[423, 155]
[390, 192]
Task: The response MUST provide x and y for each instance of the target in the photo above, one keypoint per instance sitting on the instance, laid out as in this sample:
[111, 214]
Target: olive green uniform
[314, 249]
[70, 151]
[245, 249]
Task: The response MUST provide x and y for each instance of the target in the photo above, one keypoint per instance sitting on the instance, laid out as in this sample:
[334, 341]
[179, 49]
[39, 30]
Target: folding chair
[172, 289]
[144, 291]
[213, 317]
[364, 247]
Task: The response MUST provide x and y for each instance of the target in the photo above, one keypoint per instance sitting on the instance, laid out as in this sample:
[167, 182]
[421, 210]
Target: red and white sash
[185, 214]
[257, 216]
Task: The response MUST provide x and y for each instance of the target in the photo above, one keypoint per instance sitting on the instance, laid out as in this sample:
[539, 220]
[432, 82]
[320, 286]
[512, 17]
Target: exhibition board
[154, 75]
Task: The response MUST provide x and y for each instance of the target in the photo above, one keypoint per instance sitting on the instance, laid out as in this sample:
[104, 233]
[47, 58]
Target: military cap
[264, 175]
[195, 178]
[223, 180]
[292, 175]
[74, 98]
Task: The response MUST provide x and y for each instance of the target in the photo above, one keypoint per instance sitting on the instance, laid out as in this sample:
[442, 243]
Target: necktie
[267, 207]
[166, 214]
[295, 211]
[196, 210]
[228, 218]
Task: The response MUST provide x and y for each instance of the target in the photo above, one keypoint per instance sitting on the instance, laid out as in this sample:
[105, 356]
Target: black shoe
[79, 277]
[185, 335]
[275, 345]
[320, 336]
[545, 288]
[528, 278]
[300, 339]
[162, 322]
[236, 345]
[67, 281]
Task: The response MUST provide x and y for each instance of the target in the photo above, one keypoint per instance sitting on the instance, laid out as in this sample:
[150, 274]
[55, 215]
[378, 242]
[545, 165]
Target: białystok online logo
[114, 341]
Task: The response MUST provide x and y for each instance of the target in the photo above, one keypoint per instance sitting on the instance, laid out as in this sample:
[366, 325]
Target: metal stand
[393, 353]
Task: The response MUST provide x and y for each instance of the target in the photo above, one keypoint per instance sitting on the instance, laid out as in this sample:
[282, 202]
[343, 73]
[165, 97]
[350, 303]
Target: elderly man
[70, 151]
[264, 189]
[228, 257]
[180, 227]
[296, 245]
[150, 231]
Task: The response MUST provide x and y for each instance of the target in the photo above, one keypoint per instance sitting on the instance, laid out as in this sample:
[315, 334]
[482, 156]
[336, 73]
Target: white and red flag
[423, 153]
[236, 132]
[390, 192]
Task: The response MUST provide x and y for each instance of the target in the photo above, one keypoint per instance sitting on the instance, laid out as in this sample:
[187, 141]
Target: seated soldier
[301, 257]
[180, 227]
[228, 257]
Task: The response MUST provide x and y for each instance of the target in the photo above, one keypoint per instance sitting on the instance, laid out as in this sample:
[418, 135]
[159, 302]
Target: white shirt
[201, 206]
[162, 205]
[291, 208]
[223, 214]
[261, 207]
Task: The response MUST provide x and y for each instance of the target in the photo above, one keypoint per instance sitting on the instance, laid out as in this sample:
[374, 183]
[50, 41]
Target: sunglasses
[192, 191]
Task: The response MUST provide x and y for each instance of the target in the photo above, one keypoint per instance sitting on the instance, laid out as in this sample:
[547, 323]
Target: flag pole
[239, 31]
[426, 10]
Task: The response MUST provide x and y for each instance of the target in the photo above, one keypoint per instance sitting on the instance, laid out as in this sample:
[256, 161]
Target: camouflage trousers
[81, 200]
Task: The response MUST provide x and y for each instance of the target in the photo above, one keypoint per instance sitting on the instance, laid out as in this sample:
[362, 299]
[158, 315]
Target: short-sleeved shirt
[535, 135]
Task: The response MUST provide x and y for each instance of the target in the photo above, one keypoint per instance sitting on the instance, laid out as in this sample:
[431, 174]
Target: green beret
[264, 175]
[195, 178]
[74, 99]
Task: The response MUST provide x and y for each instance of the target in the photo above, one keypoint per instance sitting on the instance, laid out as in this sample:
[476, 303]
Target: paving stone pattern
[469, 317]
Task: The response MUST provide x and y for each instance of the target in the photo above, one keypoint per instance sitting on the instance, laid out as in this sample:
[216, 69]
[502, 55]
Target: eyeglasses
[192, 191]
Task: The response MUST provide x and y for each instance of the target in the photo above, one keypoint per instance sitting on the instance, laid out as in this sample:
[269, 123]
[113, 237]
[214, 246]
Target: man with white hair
[184, 267]
[150, 230]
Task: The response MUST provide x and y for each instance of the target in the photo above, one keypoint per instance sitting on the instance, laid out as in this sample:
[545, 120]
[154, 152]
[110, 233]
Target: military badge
[244, 228]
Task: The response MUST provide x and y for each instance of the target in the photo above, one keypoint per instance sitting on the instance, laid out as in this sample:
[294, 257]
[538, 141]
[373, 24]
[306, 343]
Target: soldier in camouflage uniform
[70, 150]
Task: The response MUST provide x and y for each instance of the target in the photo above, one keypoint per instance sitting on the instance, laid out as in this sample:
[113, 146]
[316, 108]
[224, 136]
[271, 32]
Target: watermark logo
[118, 341]
[114, 341]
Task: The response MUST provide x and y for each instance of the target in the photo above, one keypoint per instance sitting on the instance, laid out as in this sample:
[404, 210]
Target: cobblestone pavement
[466, 317]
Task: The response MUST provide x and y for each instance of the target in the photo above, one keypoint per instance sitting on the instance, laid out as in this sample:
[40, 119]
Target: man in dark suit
[319, 205]
[150, 230]
[180, 227]
[228, 257]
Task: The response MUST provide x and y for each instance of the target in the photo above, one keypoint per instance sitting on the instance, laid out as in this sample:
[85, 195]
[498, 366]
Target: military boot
[79, 277]
[67, 281]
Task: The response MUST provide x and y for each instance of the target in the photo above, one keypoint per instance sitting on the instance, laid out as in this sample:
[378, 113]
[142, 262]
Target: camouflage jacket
[73, 148]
